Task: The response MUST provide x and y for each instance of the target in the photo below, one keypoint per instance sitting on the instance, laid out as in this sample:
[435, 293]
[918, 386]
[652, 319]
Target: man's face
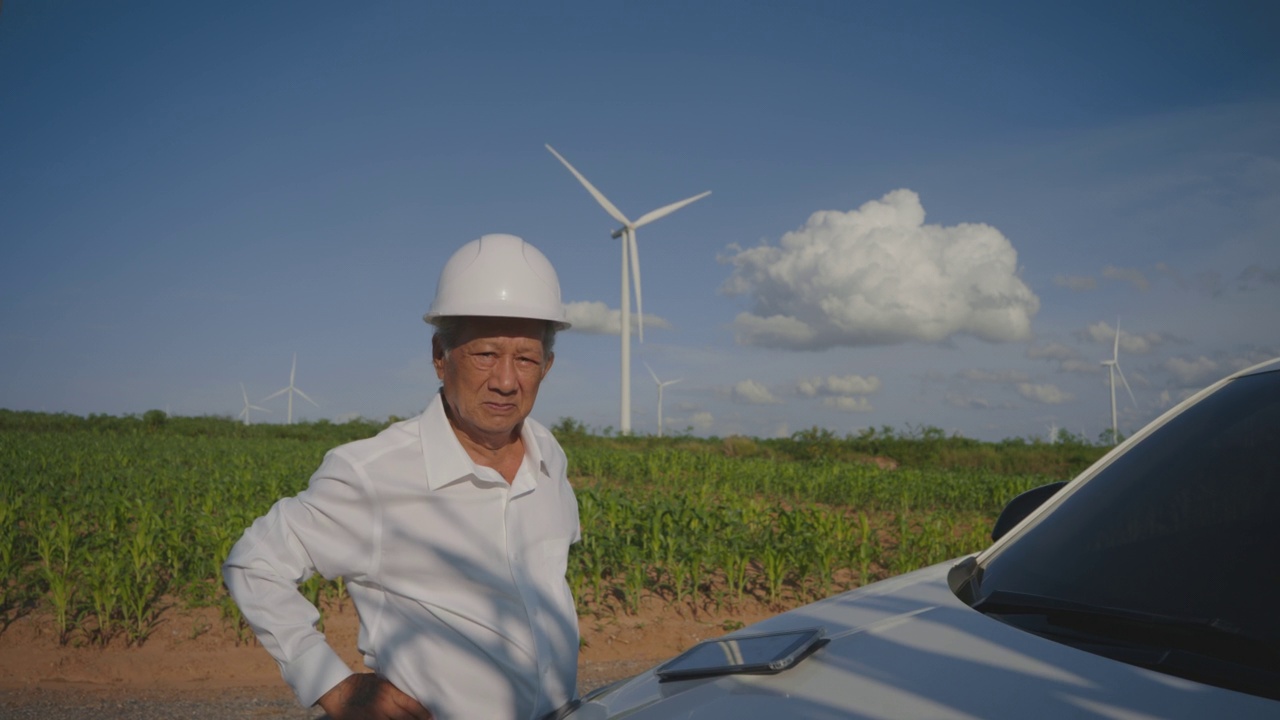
[491, 377]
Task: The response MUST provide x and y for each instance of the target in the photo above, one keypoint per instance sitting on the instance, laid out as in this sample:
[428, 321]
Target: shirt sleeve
[327, 528]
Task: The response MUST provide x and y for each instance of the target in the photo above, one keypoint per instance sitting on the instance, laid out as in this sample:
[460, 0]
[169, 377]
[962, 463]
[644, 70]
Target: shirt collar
[446, 461]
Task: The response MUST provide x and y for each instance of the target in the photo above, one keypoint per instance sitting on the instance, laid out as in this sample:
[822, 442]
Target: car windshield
[1186, 524]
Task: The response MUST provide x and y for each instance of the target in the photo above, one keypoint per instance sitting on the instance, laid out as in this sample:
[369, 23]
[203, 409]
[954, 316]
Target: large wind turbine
[631, 260]
[1113, 369]
[291, 390]
[247, 405]
[661, 385]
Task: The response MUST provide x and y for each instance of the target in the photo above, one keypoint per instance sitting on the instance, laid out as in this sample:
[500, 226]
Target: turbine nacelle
[630, 271]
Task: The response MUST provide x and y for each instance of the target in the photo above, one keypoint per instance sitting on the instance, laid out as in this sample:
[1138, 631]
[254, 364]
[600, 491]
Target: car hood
[908, 648]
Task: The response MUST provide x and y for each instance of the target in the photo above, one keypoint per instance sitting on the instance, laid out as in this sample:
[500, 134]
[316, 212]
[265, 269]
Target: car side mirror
[1021, 506]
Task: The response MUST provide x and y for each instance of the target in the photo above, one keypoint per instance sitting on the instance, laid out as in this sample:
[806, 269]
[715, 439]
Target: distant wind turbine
[1113, 369]
[247, 405]
[292, 389]
[630, 266]
[661, 385]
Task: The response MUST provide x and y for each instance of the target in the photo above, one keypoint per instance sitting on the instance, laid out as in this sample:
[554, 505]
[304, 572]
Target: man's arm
[326, 529]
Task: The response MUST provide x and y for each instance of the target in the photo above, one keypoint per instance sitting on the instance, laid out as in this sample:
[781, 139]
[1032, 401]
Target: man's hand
[365, 696]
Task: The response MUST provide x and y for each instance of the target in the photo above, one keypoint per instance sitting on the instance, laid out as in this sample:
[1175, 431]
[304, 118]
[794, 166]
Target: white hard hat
[498, 276]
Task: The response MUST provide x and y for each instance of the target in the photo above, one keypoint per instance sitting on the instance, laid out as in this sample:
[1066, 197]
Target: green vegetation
[105, 522]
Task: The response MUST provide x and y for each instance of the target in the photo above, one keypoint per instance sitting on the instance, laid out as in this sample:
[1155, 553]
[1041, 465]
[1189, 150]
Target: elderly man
[451, 529]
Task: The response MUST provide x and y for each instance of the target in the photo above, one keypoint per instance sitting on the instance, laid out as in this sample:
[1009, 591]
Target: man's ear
[551, 358]
[437, 356]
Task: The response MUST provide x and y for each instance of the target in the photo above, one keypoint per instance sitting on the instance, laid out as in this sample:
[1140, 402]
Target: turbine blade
[275, 394]
[666, 210]
[255, 407]
[1126, 385]
[635, 278]
[304, 397]
[614, 212]
[245, 393]
[293, 369]
[1115, 350]
[652, 374]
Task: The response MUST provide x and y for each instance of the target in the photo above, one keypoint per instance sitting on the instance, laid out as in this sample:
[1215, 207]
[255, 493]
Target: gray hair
[449, 328]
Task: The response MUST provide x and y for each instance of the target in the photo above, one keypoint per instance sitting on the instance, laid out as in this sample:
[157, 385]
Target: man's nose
[503, 377]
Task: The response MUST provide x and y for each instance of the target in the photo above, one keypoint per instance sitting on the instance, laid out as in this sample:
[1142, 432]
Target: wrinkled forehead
[504, 329]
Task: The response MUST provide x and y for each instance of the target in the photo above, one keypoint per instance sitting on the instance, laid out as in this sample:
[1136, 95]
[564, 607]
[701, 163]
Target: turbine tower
[1113, 369]
[291, 389]
[661, 385]
[247, 406]
[630, 267]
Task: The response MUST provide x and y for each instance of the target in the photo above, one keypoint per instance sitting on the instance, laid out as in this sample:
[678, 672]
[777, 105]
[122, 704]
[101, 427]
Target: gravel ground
[119, 704]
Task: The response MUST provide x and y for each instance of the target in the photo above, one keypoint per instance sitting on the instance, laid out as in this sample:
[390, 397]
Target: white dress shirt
[458, 577]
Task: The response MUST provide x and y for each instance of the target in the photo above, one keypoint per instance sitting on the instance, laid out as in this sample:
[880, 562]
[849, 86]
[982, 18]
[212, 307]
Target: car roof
[1262, 367]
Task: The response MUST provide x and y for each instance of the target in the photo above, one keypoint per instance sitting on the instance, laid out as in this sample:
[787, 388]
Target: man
[451, 529]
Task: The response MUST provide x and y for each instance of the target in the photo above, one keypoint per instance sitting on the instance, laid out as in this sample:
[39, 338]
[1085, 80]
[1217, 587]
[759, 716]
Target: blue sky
[922, 213]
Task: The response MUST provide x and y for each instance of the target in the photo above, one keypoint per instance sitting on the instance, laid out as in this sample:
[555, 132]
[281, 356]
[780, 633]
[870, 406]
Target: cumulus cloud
[879, 276]
[1052, 351]
[1079, 283]
[842, 385]
[1104, 334]
[753, 393]
[597, 318]
[1198, 371]
[968, 402]
[1043, 393]
[994, 376]
[848, 403]
[702, 421]
[1077, 365]
[1068, 358]
[1132, 276]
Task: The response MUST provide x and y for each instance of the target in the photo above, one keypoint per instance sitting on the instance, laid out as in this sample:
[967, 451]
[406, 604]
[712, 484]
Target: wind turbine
[247, 406]
[661, 385]
[291, 390]
[630, 267]
[1113, 368]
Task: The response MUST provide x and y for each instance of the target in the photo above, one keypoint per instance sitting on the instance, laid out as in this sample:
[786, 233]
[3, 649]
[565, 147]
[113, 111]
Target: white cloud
[1052, 351]
[1104, 334]
[879, 276]
[702, 421]
[753, 393]
[1079, 283]
[1200, 371]
[596, 318]
[967, 402]
[994, 376]
[843, 385]
[1068, 359]
[847, 403]
[1043, 393]
[1129, 275]
[1079, 366]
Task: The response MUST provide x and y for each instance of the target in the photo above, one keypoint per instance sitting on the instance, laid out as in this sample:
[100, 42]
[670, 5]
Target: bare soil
[195, 665]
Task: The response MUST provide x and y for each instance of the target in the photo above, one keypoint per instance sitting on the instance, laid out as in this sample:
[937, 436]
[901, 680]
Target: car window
[1186, 523]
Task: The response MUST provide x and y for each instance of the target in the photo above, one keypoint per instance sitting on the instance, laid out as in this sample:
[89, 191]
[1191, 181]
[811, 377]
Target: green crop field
[105, 522]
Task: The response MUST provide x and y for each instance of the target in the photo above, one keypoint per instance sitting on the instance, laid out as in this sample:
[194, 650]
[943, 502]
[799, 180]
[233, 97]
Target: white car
[1147, 587]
